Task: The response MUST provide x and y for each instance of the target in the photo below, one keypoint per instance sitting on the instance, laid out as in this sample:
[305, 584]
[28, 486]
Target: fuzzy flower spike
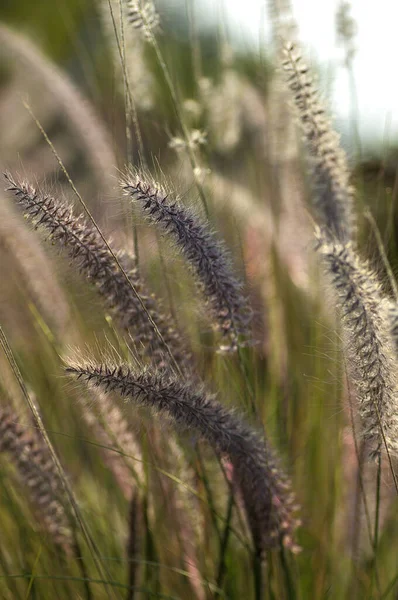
[92, 258]
[265, 490]
[143, 16]
[38, 474]
[369, 345]
[207, 256]
[333, 195]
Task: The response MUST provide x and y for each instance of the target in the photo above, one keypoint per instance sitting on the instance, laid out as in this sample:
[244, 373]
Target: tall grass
[206, 404]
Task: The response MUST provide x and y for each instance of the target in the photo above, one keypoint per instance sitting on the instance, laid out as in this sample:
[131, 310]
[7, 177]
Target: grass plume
[92, 258]
[268, 501]
[142, 14]
[37, 474]
[206, 255]
[368, 342]
[333, 194]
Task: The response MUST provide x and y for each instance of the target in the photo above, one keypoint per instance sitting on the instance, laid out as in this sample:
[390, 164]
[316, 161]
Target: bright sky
[375, 63]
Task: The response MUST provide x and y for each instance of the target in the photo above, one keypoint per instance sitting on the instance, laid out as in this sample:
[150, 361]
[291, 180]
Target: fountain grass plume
[369, 347]
[142, 15]
[207, 256]
[133, 73]
[266, 491]
[333, 195]
[38, 474]
[92, 257]
[391, 311]
[110, 427]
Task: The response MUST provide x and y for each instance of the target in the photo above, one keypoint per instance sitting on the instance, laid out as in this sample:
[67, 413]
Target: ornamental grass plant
[198, 321]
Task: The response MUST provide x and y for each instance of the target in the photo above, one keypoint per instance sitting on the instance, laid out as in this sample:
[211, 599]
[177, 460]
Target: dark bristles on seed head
[207, 256]
[143, 15]
[266, 491]
[92, 257]
[37, 472]
[372, 361]
[333, 195]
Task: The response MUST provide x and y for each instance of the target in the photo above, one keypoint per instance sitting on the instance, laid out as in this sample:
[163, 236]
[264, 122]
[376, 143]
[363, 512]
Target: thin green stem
[224, 542]
[115, 584]
[375, 576]
[209, 495]
[258, 577]
[291, 594]
[178, 112]
[82, 565]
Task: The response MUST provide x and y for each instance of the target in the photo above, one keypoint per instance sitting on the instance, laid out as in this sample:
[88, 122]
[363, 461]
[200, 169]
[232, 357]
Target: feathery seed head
[264, 488]
[143, 15]
[391, 311]
[92, 257]
[346, 29]
[333, 195]
[111, 428]
[225, 120]
[38, 473]
[206, 256]
[196, 138]
[371, 359]
[140, 79]
[81, 116]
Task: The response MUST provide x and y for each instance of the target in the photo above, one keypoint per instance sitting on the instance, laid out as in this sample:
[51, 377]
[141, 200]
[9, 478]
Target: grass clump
[154, 479]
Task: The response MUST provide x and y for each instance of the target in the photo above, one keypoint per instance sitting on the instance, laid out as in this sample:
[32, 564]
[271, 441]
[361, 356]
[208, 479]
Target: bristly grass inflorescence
[269, 503]
[142, 14]
[333, 194]
[92, 258]
[371, 355]
[207, 256]
[391, 310]
[38, 474]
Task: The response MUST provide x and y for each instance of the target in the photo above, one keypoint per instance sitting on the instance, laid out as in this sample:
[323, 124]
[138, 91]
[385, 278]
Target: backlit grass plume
[37, 473]
[140, 79]
[206, 255]
[333, 195]
[92, 258]
[266, 492]
[143, 15]
[391, 309]
[369, 347]
[112, 430]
